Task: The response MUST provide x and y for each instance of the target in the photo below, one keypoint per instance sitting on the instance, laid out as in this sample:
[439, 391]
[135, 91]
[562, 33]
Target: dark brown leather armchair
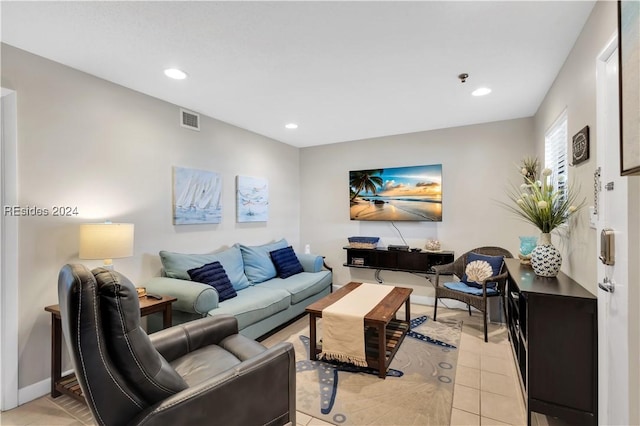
[472, 296]
[201, 372]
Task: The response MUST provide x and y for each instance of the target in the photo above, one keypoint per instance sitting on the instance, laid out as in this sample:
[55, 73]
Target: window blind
[555, 152]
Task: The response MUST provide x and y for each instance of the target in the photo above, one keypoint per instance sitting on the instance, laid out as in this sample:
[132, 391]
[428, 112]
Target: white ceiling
[341, 70]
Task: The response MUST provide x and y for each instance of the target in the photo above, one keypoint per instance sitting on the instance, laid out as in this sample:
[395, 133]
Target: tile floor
[487, 391]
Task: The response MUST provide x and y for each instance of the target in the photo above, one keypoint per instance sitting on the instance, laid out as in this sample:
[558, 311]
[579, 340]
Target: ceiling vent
[189, 119]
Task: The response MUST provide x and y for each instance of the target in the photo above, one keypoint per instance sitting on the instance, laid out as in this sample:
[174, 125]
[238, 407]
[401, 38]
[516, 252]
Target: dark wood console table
[553, 328]
[68, 384]
[396, 260]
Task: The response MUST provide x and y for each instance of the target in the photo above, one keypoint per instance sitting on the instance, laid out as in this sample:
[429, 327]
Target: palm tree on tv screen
[365, 180]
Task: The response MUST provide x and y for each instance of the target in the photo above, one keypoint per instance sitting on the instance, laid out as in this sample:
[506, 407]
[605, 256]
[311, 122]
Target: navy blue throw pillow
[286, 262]
[496, 266]
[214, 275]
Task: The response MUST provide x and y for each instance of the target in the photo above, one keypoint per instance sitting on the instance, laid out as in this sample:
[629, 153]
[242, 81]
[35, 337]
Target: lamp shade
[106, 240]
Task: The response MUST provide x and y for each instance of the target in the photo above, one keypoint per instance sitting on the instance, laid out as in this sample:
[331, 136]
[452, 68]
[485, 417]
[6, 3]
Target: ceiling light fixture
[291, 126]
[481, 91]
[175, 73]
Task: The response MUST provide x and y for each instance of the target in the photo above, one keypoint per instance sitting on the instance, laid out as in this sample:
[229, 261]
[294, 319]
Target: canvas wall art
[252, 198]
[197, 196]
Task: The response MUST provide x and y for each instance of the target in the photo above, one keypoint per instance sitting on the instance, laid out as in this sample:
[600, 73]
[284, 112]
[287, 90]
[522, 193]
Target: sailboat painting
[197, 196]
[252, 198]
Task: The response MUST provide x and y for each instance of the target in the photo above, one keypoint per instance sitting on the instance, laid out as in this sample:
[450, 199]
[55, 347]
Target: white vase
[545, 258]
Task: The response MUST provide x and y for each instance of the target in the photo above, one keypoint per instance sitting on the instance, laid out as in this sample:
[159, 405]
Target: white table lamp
[106, 241]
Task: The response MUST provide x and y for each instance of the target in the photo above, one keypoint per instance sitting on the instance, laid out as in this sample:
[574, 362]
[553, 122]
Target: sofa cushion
[300, 286]
[214, 275]
[129, 346]
[258, 265]
[286, 262]
[176, 265]
[254, 304]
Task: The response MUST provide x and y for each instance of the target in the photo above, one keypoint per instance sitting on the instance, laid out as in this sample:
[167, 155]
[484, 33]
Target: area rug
[418, 389]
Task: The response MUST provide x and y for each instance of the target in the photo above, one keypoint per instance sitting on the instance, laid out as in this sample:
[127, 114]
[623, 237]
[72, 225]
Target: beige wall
[575, 90]
[477, 161]
[108, 150]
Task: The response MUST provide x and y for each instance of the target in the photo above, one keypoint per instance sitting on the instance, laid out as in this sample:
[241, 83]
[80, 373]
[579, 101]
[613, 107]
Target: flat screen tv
[411, 193]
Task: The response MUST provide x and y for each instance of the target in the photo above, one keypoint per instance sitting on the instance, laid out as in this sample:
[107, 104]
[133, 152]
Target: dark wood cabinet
[553, 330]
[396, 260]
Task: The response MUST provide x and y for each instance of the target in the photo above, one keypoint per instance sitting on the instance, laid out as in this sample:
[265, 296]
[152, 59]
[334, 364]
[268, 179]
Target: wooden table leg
[312, 337]
[166, 316]
[56, 354]
[407, 310]
[382, 352]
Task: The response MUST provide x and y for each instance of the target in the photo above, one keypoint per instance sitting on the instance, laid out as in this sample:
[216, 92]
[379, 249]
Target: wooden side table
[68, 384]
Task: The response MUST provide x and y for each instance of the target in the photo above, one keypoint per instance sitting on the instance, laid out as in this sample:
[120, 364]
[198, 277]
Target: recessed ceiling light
[291, 126]
[481, 91]
[175, 73]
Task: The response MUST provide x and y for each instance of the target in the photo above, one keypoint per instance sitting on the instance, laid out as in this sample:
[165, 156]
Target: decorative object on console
[397, 194]
[546, 204]
[433, 245]
[527, 244]
[363, 242]
[252, 199]
[106, 241]
[197, 196]
[545, 258]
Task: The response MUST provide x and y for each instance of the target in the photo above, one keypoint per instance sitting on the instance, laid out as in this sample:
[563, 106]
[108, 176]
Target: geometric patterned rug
[418, 389]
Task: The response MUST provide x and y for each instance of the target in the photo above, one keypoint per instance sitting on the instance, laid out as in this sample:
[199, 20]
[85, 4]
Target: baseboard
[36, 390]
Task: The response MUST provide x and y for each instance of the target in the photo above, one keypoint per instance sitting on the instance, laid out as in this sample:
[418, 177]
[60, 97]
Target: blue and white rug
[418, 389]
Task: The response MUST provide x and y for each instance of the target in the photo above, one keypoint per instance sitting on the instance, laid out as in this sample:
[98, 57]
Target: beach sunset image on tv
[400, 193]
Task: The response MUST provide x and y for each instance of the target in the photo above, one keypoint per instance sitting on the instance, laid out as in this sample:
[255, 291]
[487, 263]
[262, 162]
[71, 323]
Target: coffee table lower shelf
[395, 333]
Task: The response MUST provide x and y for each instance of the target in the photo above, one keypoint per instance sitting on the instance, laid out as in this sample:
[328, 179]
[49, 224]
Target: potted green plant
[546, 203]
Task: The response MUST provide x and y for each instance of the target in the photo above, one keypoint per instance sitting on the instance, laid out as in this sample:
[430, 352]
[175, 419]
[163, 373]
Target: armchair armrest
[260, 390]
[446, 269]
[193, 297]
[176, 341]
[499, 279]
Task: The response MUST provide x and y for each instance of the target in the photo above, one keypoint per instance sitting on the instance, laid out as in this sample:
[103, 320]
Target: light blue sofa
[263, 302]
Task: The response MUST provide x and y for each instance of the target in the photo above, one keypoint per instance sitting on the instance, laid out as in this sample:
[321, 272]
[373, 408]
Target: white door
[612, 212]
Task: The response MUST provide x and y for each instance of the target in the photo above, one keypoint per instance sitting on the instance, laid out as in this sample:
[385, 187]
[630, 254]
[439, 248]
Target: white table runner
[343, 324]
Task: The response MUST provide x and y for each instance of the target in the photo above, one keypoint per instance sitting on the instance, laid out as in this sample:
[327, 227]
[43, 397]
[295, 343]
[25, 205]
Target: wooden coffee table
[383, 332]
